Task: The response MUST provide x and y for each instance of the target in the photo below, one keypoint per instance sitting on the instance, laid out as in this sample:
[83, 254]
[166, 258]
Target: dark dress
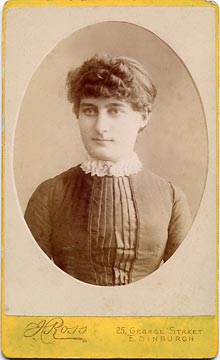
[108, 230]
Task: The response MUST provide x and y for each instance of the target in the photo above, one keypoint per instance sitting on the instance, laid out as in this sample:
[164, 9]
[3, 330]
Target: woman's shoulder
[67, 174]
[58, 181]
[150, 179]
[162, 184]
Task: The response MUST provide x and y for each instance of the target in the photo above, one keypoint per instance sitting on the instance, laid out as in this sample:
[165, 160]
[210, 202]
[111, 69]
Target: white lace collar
[125, 167]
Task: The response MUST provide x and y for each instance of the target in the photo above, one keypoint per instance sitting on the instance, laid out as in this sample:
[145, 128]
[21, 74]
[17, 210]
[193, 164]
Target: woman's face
[109, 127]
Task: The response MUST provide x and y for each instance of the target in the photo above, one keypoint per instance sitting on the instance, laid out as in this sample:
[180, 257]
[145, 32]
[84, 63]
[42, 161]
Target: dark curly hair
[107, 76]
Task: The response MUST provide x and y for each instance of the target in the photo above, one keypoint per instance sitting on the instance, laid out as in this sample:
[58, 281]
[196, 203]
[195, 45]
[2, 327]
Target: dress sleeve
[180, 222]
[37, 217]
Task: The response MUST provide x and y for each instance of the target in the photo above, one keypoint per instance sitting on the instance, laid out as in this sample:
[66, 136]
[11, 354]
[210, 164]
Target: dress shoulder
[176, 194]
[66, 175]
[43, 202]
[173, 198]
[160, 187]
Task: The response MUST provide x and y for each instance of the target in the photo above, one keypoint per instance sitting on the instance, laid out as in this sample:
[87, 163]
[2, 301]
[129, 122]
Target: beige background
[31, 279]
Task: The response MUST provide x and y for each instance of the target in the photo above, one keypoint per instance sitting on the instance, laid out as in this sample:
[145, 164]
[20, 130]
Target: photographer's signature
[54, 329]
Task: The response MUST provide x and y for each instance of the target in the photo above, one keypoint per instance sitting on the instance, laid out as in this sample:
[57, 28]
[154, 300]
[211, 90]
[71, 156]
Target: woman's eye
[115, 111]
[89, 111]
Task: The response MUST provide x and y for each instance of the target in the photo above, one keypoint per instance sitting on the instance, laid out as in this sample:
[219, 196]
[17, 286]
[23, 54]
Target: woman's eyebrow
[87, 104]
[115, 104]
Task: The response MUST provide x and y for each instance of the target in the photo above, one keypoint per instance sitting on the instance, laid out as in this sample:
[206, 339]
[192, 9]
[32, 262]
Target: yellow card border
[136, 337]
[42, 3]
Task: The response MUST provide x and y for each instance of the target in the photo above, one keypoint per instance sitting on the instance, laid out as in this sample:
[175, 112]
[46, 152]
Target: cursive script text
[48, 331]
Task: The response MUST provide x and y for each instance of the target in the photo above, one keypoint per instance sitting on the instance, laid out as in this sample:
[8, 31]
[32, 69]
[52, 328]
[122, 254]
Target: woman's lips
[102, 140]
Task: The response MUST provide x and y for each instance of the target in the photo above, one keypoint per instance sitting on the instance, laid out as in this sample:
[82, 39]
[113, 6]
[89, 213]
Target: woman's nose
[102, 122]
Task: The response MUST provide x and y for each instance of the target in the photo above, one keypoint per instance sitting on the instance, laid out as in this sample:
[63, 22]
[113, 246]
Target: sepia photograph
[113, 218]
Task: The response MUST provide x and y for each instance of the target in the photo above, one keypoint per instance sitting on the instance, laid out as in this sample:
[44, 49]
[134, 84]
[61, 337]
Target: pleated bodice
[108, 230]
[112, 230]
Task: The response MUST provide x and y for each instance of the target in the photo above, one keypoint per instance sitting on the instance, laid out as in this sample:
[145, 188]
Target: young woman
[108, 221]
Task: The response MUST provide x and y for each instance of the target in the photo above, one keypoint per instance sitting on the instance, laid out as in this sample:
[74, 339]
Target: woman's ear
[145, 118]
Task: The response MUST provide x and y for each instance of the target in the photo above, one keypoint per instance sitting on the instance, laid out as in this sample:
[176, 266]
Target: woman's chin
[105, 157]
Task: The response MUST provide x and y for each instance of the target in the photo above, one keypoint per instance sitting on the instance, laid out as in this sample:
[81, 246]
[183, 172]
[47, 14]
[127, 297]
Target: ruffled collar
[125, 167]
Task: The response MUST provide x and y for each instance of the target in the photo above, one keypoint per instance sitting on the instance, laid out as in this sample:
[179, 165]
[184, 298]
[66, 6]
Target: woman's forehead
[103, 101]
